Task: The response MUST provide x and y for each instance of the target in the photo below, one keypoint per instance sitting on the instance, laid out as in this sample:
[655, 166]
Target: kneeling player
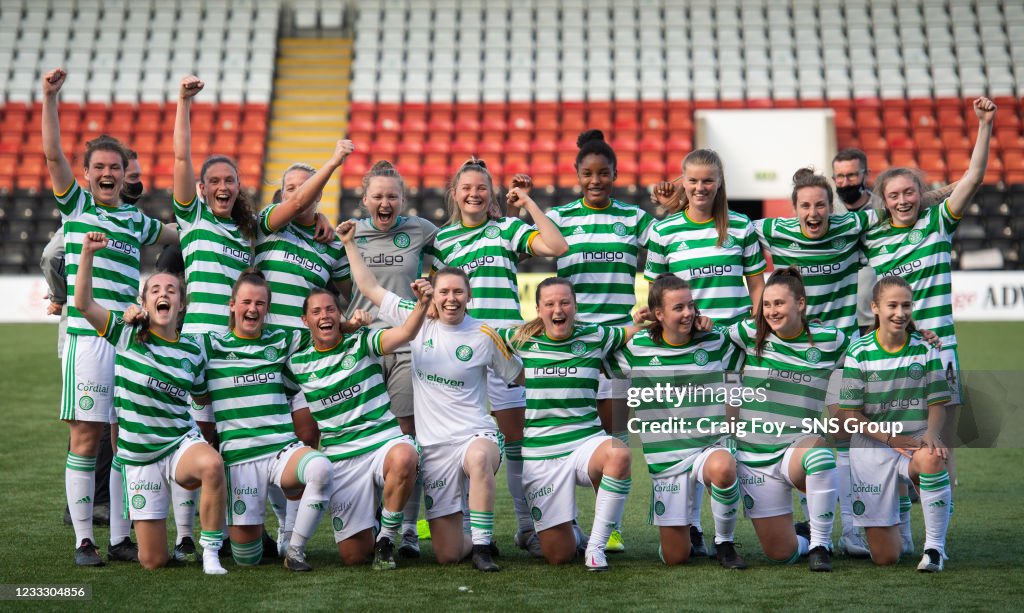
[564, 445]
[912, 393]
[155, 370]
[254, 425]
[342, 380]
[674, 352]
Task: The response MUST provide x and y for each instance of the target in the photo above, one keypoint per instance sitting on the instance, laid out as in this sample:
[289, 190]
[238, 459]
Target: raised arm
[985, 109]
[306, 196]
[61, 175]
[361, 273]
[93, 312]
[395, 338]
[550, 242]
[184, 173]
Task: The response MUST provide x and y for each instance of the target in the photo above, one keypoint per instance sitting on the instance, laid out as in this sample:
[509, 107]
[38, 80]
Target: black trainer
[819, 560]
[803, 528]
[185, 551]
[88, 554]
[697, 547]
[269, 546]
[383, 555]
[125, 551]
[225, 549]
[482, 559]
[727, 556]
[493, 548]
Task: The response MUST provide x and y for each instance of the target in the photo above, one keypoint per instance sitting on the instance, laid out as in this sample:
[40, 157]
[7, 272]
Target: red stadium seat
[599, 116]
[353, 170]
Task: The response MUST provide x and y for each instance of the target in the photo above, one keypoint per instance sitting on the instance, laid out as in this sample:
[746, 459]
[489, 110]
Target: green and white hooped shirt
[829, 264]
[246, 384]
[561, 387]
[293, 263]
[789, 381]
[921, 255]
[344, 387]
[153, 382]
[697, 371]
[489, 255]
[894, 387]
[216, 253]
[689, 250]
[604, 246]
[115, 270]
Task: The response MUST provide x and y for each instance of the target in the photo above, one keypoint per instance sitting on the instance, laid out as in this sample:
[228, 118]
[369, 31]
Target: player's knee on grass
[152, 560]
[356, 550]
[558, 544]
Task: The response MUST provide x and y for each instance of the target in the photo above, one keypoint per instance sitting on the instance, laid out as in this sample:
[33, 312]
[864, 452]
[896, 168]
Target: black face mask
[131, 192]
[849, 193]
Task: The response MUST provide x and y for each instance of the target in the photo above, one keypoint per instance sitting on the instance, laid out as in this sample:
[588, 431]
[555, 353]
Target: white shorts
[248, 483]
[767, 490]
[297, 402]
[147, 488]
[835, 384]
[504, 395]
[951, 366]
[876, 471]
[202, 412]
[445, 483]
[358, 484]
[550, 485]
[611, 388]
[671, 496]
[87, 390]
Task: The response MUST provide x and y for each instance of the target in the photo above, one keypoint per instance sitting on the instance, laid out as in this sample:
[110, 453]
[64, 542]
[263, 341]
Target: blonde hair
[473, 164]
[720, 205]
[535, 326]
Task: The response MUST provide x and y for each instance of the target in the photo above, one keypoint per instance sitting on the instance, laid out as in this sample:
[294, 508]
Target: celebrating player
[393, 246]
[788, 361]
[915, 244]
[88, 361]
[487, 248]
[451, 357]
[713, 248]
[158, 443]
[911, 393]
[341, 378]
[605, 237]
[673, 352]
[257, 439]
[564, 445]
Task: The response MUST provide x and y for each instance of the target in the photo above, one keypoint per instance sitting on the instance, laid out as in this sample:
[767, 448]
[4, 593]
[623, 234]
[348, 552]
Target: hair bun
[789, 271]
[803, 174]
[589, 135]
[382, 165]
[474, 161]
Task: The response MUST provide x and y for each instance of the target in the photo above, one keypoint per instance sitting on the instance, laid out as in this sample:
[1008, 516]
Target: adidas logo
[84, 500]
[578, 230]
[187, 503]
[828, 515]
[535, 347]
[769, 346]
[314, 377]
[232, 356]
[794, 246]
[884, 249]
[874, 378]
[937, 503]
[319, 506]
[655, 361]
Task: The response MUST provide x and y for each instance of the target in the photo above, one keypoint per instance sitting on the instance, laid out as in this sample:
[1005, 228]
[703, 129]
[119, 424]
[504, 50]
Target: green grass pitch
[984, 572]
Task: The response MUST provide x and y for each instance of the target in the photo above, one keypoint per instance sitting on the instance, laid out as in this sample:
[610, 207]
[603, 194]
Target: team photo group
[364, 373]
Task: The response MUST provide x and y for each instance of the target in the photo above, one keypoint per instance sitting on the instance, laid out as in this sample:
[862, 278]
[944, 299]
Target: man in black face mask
[52, 263]
[850, 173]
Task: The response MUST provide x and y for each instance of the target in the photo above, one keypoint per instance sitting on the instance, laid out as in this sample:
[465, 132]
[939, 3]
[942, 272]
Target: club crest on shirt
[464, 353]
[619, 228]
[578, 348]
[700, 357]
[729, 243]
[838, 243]
[348, 362]
[916, 372]
[813, 355]
[492, 232]
[915, 237]
[401, 240]
[270, 354]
